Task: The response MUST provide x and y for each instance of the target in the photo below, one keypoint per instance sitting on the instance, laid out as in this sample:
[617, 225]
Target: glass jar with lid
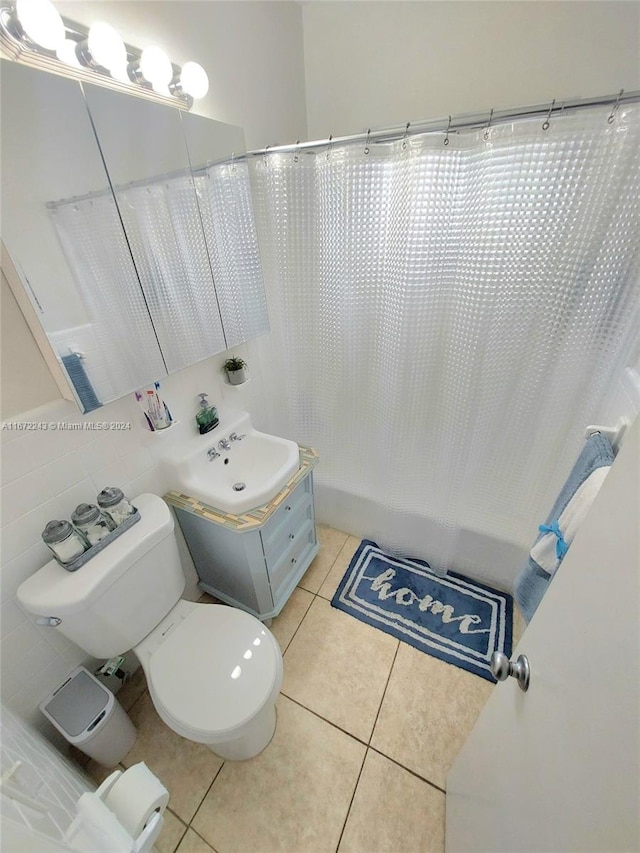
[92, 522]
[64, 540]
[114, 503]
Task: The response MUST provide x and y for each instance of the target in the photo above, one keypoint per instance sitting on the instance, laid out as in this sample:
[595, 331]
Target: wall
[253, 54]
[371, 64]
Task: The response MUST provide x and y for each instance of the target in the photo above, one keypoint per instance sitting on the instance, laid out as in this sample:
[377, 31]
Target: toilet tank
[119, 596]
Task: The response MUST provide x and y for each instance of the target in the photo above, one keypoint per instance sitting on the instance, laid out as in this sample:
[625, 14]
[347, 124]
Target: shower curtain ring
[546, 123]
[616, 106]
[329, 145]
[488, 127]
[264, 156]
[366, 144]
[233, 162]
[295, 156]
[406, 134]
[446, 137]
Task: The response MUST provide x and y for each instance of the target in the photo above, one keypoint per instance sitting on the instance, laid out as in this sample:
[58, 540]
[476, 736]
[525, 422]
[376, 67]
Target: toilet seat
[213, 672]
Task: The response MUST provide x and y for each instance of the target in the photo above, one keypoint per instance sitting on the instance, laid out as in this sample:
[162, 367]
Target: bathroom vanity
[254, 560]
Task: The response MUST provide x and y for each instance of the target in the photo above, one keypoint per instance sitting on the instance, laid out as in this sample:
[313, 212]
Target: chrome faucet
[212, 453]
[235, 437]
[224, 444]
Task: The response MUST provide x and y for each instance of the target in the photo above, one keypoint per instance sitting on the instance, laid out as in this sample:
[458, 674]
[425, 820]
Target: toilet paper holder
[104, 825]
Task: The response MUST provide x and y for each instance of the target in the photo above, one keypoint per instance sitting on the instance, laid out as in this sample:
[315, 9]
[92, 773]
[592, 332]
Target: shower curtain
[446, 320]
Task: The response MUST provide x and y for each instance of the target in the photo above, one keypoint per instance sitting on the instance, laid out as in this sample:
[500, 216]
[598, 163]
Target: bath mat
[452, 618]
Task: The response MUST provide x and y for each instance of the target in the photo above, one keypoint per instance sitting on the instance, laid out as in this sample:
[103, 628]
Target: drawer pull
[288, 508]
[294, 560]
[292, 536]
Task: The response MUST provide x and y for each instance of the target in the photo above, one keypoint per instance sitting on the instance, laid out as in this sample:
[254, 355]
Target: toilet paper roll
[135, 797]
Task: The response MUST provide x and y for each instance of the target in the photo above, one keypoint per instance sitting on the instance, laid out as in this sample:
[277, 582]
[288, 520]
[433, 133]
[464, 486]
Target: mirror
[141, 270]
[146, 156]
[226, 208]
[87, 296]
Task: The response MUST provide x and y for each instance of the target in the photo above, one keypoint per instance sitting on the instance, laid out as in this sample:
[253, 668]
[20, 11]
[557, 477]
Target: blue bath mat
[452, 618]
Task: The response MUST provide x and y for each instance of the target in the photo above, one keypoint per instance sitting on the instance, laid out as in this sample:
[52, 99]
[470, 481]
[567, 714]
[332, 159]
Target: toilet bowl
[214, 672]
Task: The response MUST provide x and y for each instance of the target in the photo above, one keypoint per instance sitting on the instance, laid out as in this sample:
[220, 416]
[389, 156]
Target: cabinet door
[146, 157]
[224, 196]
[61, 227]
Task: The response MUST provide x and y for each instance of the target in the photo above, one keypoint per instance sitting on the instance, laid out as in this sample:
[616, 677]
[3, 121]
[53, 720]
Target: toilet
[213, 672]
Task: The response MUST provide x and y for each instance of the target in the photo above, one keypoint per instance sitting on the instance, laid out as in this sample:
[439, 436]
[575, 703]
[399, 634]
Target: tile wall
[44, 475]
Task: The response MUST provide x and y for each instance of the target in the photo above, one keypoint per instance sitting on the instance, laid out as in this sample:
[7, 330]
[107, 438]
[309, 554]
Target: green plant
[234, 363]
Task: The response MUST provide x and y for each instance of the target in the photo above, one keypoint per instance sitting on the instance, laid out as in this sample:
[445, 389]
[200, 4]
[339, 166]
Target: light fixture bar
[15, 45]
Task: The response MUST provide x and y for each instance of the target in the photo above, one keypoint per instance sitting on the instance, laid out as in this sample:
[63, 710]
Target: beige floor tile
[393, 812]
[185, 768]
[287, 621]
[97, 773]
[338, 667]
[173, 829]
[132, 689]
[293, 797]
[192, 843]
[331, 582]
[205, 598]
[519, 624]
[428, 711]
[331, 542]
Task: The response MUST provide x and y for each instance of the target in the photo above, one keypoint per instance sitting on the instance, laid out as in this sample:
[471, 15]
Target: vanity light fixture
[33, 32]
[37, 23]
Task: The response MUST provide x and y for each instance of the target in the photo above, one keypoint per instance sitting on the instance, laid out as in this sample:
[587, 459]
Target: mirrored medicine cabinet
[131, 227]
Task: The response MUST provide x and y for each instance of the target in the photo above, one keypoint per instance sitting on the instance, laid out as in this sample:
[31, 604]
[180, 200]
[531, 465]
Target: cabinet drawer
[290, 505]
[280, 571]
[288, 531]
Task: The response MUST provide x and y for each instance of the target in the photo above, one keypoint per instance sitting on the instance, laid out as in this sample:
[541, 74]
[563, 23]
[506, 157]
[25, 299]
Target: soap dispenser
[207, 417]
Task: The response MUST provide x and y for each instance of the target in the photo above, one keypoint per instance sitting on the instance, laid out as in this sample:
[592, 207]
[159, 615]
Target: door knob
[502, 668]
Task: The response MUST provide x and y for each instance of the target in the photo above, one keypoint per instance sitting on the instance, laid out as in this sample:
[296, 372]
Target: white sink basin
[247, 474]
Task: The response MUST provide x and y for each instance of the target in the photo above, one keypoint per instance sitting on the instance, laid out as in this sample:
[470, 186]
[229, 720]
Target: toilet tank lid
[53, 591]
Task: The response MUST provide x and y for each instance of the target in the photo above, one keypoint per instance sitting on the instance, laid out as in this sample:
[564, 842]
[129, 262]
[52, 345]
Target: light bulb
[194, 80]
[66, 53]
[41, 22]
[106, 47]
[156, 67]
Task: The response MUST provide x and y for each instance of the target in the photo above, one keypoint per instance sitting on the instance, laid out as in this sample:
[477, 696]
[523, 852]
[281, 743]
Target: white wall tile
[14, 572]
[11, 616]
[23, 495]
[64, 472]
[98, 454]
[26, 531]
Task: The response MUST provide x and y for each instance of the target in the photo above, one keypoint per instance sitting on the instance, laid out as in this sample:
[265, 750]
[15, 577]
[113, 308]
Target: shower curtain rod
[451, 124]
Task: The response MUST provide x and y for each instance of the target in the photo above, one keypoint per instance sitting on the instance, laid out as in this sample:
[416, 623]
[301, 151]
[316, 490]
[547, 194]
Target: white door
[558, 768]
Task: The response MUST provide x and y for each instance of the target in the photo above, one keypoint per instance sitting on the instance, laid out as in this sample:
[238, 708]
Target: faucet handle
[212, 453]
[223, 444]
[235, 437]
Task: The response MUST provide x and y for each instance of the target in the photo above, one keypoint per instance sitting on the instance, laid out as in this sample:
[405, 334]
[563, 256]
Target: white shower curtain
[446, 319]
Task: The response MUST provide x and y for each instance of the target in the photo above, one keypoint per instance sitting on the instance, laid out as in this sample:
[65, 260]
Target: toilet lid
[216, 669]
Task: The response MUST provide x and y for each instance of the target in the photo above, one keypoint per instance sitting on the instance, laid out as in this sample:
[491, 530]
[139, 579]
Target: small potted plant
[235, 368]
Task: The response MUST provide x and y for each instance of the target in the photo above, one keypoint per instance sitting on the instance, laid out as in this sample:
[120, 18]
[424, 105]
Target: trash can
[89, 716]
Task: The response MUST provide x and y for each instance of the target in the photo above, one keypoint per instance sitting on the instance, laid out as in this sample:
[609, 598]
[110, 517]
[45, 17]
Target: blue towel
[533, 581]
[80, 381]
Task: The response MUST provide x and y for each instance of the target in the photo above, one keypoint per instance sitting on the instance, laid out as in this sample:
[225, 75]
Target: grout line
[353, 796]
[301, 621]
[201, 837]
[324, 719]
[384, 692]
[206, 794]
[408, 769]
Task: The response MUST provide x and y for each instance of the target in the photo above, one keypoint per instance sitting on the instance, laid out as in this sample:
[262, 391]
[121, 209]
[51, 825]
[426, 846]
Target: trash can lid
[74, 706]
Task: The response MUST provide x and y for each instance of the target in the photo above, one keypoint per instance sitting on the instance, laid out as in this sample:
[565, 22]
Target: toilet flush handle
[49, 621]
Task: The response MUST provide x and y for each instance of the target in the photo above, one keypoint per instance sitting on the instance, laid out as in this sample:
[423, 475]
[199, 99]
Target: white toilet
[213, 672]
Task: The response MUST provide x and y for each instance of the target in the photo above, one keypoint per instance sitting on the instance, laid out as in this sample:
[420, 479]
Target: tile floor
[367, 730]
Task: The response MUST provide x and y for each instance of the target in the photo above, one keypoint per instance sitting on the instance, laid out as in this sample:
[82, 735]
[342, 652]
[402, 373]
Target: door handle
[502, 668]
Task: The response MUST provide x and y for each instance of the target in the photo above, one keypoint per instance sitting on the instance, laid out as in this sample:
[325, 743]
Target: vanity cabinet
[253, 561]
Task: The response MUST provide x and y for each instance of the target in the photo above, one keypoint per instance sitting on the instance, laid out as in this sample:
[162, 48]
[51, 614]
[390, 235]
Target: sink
[251, 472]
